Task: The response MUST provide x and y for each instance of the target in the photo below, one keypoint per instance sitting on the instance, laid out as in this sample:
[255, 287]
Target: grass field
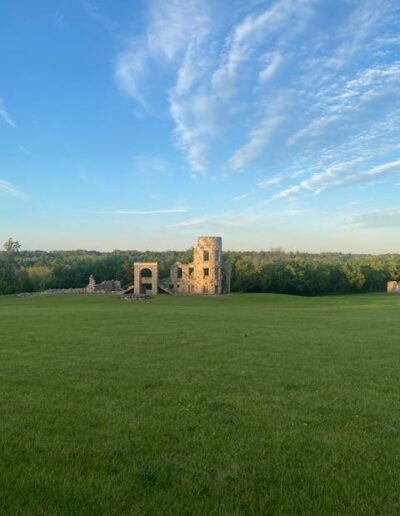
[247, 404]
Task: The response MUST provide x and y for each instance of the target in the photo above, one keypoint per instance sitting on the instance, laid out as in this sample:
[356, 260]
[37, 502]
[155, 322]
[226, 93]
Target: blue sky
[141, 124]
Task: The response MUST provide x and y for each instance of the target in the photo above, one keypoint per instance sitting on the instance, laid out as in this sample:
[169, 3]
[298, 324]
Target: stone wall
[108, 286]
[182, 278]
[55, 291]
[104, 286]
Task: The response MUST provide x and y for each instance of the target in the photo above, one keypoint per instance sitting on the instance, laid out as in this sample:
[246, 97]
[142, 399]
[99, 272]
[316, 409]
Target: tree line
[272, 271]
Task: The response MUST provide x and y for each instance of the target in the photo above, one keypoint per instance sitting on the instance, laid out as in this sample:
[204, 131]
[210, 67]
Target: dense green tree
[264, 271]
[9, 267]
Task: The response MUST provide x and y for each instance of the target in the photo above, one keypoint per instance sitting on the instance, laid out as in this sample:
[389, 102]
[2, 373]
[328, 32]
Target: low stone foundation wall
[65, 291]
[134, 297]
[55, 291]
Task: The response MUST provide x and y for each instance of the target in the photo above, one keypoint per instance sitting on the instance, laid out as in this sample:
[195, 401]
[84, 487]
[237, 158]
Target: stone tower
[207, 274]
[207, 261]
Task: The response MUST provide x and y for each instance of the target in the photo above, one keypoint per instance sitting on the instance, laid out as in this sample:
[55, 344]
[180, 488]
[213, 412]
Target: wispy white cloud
[11, 190]
[360, 33]
[378, 139]
[261, 186]
[170, 29]
[259, 138]
[175, 34]
[130, 71]
[216, 81]
[337, 103]
[241, 197]
[368, 17]
[315, 128]
[192, 107]
[194, 118]
[172, 26]
[266, 183]
[271, 63]
[179, 35]
[219, 221]
[252, 31]
[5, 115]
[339, 175]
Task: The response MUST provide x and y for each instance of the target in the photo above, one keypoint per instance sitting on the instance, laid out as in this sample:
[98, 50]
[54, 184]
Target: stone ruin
[104, 286]
[56, 291]
[208, 274]
[145, 276]
[112, 286]
[393, 287]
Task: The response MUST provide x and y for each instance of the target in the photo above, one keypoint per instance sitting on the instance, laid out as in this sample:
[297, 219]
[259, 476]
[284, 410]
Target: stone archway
[145, 275]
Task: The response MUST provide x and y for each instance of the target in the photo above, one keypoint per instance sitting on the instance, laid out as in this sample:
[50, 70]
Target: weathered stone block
[392, 287]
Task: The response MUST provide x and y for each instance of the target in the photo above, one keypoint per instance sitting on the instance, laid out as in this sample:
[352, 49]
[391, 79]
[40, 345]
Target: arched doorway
[146, 285]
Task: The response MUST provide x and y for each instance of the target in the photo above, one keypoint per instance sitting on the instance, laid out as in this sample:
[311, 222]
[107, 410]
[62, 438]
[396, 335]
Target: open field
[247, 404]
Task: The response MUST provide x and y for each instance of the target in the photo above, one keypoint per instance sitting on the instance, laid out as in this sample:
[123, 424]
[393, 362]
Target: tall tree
[12, 247]
[9, 267]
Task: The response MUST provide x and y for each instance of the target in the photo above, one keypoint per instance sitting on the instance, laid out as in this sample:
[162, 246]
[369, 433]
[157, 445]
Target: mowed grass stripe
[245, 404]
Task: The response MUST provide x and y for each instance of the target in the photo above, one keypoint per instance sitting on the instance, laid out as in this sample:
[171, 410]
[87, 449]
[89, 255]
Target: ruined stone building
[104, 286]
[206, 274]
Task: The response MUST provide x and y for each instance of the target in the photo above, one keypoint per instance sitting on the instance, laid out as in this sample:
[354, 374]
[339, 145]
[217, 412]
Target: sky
[138, 124]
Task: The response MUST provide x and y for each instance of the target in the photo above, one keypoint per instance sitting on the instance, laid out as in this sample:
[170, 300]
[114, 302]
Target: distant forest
[265, 271]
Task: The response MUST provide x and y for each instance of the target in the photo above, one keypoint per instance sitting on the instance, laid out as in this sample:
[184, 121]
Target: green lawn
[247, 404]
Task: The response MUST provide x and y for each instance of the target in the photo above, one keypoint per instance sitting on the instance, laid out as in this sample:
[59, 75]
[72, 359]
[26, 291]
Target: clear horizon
[143, 124]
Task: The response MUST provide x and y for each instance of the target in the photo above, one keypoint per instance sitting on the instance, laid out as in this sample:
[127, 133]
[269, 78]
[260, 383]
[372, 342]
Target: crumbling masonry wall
[207, 274]
[104, 286]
